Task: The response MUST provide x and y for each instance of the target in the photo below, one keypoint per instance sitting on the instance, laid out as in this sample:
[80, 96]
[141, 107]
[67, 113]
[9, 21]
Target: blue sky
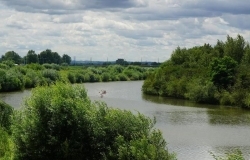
[129, 29]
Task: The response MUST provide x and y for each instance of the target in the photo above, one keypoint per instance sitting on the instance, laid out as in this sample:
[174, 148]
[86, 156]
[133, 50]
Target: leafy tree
[223, 72]
[235, 48]
[66, 58]
[11, 55]
[179, 56]
[31, 57]
[48, 56]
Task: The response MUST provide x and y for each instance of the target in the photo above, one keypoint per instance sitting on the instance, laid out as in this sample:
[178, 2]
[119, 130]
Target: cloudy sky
[135, 30]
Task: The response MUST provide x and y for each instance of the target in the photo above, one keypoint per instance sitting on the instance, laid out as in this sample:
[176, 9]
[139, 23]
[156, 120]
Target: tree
[31, 57]
[66, 59]
[235, 48]
[223, 72]
[48, 56]
[11, 55]
[60, 122]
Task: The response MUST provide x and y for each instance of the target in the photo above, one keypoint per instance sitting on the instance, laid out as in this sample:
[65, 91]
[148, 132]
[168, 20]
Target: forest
[218, 74]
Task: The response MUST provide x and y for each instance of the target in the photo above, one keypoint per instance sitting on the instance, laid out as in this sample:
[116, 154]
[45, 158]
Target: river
[191, 130]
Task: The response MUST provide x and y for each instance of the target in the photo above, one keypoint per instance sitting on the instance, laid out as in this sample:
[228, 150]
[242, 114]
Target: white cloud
[130, 29]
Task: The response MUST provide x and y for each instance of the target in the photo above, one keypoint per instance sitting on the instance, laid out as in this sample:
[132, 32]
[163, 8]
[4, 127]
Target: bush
[5, 116]
[60, 122]
[6, 146]
[50, 74]
[79, 77]
[201, 92]
[122, 77]
[31, 79]
[12, 81]
[71, 77]
[105, 77]
[4, 66]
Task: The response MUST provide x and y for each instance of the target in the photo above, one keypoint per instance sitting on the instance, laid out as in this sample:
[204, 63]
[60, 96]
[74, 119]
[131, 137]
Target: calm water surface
[191, 130]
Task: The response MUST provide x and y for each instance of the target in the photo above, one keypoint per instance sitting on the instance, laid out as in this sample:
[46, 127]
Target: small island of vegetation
[218, 74]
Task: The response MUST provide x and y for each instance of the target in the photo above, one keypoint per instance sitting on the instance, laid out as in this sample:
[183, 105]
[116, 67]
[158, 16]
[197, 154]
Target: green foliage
[223, 72]
[18, 77]
[71, 77]
[31, 57]
[5, 116]
[9, 63]
[51, 75]
[6, 146]
[35, 66]
[60, 122]
[205, 74]
[201, 92]
[4, 66]
[12, 56]
[13, 80]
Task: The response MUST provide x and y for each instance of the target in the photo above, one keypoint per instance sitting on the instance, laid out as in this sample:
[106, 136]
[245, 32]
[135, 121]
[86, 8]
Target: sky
[135, 30]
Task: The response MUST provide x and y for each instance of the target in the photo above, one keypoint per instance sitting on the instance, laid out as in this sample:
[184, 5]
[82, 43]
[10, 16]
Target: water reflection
[202, 113]
[229, 116]
[175, 102]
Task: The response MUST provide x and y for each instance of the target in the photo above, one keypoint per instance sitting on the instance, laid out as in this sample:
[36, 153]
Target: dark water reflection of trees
[216, 115]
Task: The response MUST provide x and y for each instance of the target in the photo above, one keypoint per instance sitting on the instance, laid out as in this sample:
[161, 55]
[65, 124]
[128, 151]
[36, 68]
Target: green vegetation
[5, 116]
[17, 77]
[46, 56]
[206, 74]
[6, 144]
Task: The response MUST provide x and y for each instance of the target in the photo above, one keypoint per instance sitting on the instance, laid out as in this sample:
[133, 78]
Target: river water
[191, 130]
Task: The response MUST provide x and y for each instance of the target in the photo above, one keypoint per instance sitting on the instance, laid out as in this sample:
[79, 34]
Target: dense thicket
[60, 122]
[17, 77]
[217, 74]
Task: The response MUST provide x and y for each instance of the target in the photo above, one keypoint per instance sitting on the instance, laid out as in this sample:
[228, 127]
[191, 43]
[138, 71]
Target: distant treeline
[217, 74]
[46, 56]
[17, 77]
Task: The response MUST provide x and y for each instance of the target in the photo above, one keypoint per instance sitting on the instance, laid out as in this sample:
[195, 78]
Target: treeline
[18, 77]
[46, 56]
[218, 74]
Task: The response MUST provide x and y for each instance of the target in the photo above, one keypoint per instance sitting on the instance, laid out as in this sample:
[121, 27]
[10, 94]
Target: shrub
[12, 81]
[79, 77]
[31, 79]
[9, 63]
[71, 77]
[47, 66]
[51, 75]
[105, 77]
[6, 146]
[201, 92]
[122, 77]
[60, 122]
[4, 66]
[5, 115]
